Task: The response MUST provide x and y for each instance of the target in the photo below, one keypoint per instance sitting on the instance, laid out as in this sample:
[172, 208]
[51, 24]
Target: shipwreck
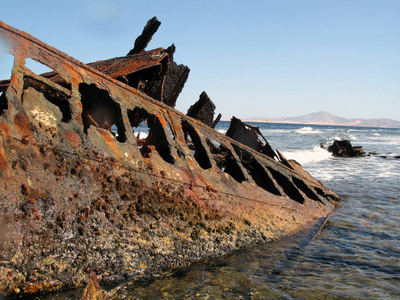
[82, 192]
[344, 148]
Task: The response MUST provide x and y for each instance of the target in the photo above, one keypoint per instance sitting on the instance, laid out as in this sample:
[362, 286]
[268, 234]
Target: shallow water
[355, 256]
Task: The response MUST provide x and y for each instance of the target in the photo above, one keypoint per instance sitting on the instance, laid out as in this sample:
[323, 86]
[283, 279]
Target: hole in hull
[260, 176]
[100, 110]
[194, 143]
[36, 67]
[288, 187]
[256, 171]
[150, 134]
[225, 160]
[6, 63]
[305, 189]
[3, 102]
[57, 97]
[138, 119]
[46, 72]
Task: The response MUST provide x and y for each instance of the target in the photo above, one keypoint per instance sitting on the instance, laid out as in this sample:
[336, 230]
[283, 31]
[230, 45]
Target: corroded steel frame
[264, 197]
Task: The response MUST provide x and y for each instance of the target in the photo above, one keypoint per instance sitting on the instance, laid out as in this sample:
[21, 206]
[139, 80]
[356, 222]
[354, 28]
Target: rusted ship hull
[78, 198]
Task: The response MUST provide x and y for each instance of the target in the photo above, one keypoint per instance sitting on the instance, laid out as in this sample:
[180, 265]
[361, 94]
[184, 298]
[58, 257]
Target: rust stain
[73, 138]
[110, 142]
[162, 121]
[5, 130]
[3, 160]
[22, 121]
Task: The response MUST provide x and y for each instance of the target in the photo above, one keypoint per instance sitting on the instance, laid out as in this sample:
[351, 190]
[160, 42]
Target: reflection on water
[351, 259]
[241, 275]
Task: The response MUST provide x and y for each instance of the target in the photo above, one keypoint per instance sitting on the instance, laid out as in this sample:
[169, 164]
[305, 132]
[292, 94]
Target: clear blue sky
[271, 58]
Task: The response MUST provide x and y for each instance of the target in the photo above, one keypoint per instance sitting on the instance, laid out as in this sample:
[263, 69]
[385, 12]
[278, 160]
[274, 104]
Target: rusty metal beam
[203, 110]
[144, 39]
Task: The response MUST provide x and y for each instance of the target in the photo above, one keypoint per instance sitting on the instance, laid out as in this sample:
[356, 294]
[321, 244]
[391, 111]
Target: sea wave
[223, 131]
[275, 131]
[352, 137]
[307, 156]
[307, 130]
[380, 141]
[333, 138]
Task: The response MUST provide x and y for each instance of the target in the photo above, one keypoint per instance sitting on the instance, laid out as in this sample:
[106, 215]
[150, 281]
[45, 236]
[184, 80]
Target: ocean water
[355, 256]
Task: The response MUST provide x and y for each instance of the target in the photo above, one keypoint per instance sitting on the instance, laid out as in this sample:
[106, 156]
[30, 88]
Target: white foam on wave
[266, 131]
[333, 138]
[393, 141]
[142, 135]
[322, 174]
[223, 131]
[307, 130]
[307, 156]
[352, 137]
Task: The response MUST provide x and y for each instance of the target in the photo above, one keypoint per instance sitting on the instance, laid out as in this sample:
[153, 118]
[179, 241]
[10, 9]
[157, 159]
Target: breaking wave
[307, 130]
[307, 156]
[223, 131]
[353, 137]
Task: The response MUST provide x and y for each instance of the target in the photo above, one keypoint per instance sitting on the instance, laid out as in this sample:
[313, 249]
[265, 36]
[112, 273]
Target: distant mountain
[324, 118]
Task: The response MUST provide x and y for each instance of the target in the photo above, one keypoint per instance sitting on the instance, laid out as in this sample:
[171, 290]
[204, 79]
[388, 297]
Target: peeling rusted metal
[203, 110]
[216, 121]
[144, 39]
[82, 192]
[250, 136]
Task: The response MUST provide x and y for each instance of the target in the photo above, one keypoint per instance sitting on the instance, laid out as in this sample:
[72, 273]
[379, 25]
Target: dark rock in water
[345, 149]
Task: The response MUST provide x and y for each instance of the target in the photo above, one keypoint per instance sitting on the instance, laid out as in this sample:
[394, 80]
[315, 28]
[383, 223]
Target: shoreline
[318, 124]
